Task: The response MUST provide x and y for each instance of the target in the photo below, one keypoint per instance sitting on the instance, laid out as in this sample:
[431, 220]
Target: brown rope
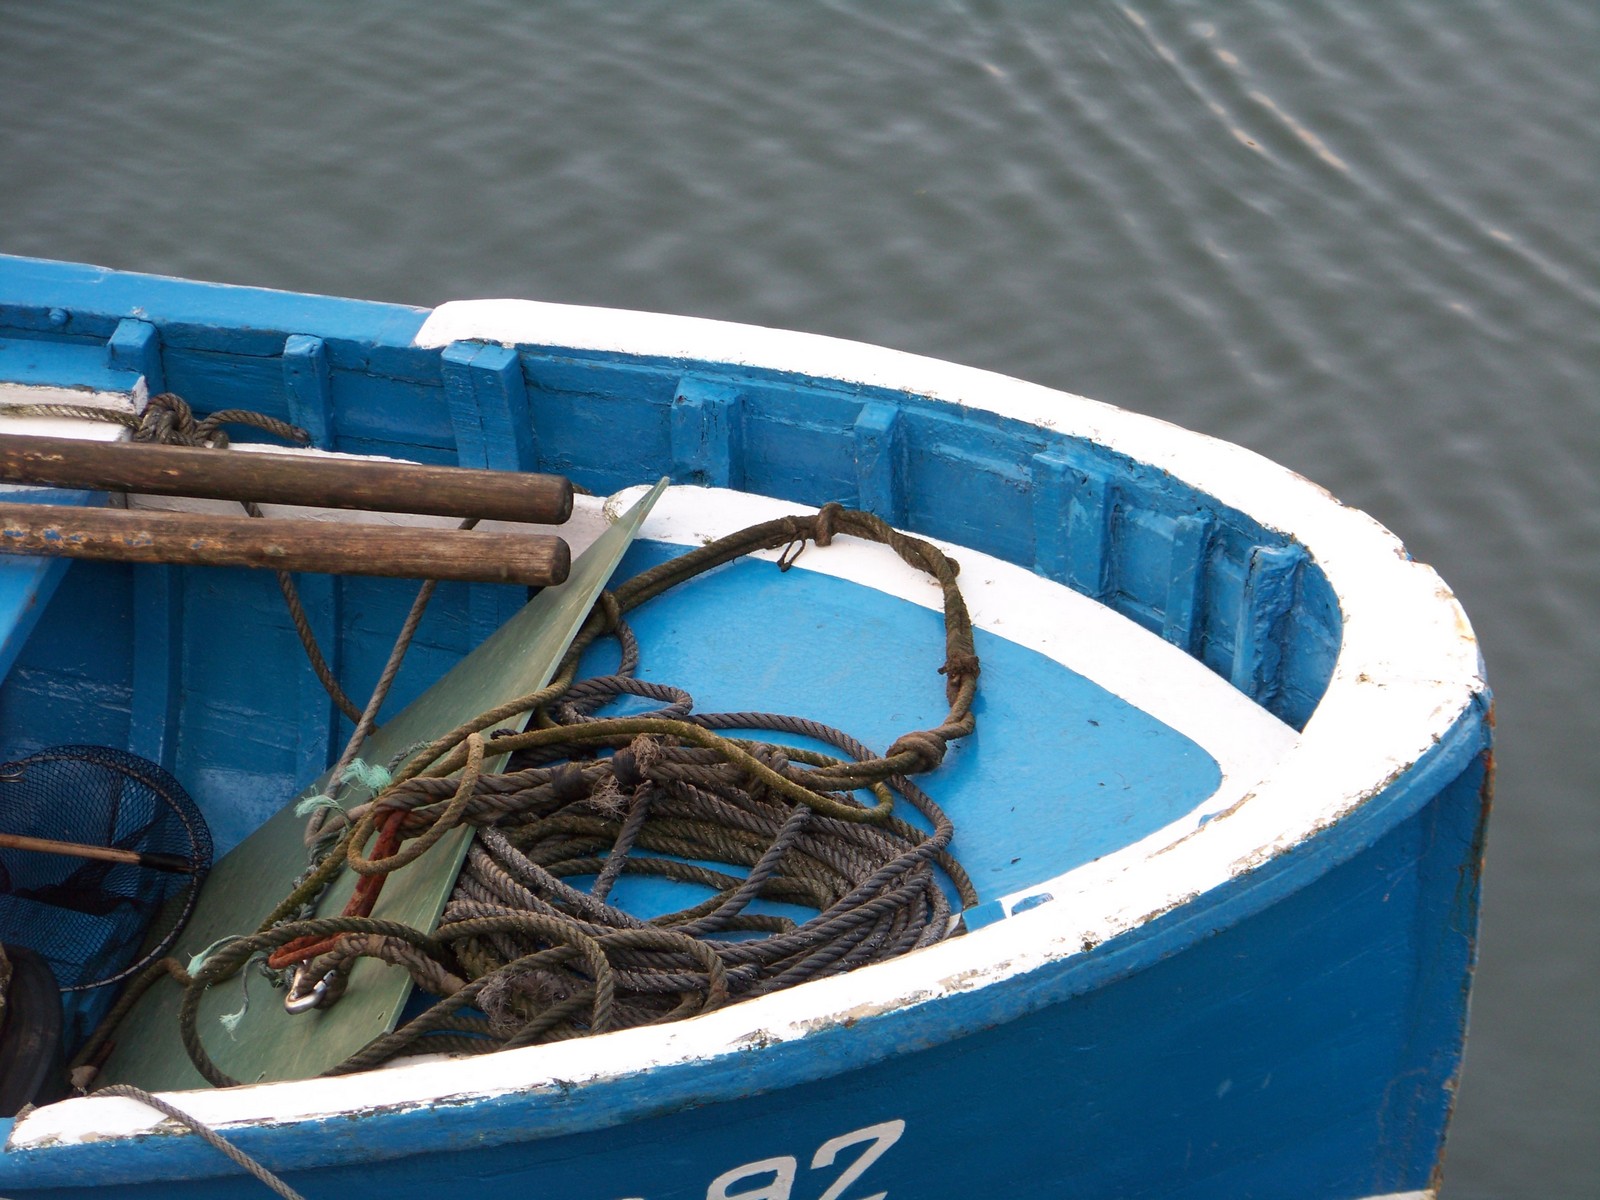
[663, 794]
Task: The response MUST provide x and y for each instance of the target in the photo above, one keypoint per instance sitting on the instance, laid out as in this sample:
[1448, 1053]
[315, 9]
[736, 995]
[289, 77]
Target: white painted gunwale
[16, 395]
[1408, 669]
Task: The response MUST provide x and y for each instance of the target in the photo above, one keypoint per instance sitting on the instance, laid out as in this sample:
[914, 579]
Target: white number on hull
[881, 1136]
[773, 1178]
[781, 1169]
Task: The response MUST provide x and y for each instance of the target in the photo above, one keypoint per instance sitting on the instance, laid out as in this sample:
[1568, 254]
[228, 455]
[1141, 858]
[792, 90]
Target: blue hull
[1295, 1029]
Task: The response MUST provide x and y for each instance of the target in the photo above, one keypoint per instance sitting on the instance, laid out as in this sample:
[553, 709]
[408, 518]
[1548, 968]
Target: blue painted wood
[1311, 634]
[798, 434]
[157, 664]
[1089, 531]
[76, 645]
[318, 738]
[707, 434]
[488, 400]
[308, 384]
[27, 584]
[1141, 542]
[1191, 546]
[136, 346]
[240, 717]
[1054, 482]
[190, 314]
[61, 362]
[966, 482]
[878, 458]
[795, 437]
[1269, 594]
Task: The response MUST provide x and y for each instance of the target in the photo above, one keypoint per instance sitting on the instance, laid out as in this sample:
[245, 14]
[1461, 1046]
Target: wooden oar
[303, 479]
[133, 858]
[343, 548]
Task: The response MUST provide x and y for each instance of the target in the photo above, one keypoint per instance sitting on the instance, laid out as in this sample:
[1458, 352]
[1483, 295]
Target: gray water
[1359, 238]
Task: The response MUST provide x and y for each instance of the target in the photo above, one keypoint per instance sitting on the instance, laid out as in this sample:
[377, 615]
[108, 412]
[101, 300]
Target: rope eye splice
[767, 832]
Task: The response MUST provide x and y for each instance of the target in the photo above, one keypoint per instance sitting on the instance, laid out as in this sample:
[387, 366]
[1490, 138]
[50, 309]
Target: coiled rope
[523, 955]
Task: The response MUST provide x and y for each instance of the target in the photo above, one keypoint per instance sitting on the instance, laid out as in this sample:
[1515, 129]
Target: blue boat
[1222, 808]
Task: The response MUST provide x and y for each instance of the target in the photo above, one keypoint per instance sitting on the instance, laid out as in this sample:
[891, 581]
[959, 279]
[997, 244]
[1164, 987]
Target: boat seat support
[707, 434]
[1269, 592]
[308, 385]
[1071, 523]
[488, 398]
[1181, 616]
[157, 663]
[136, 346]
[488, 401]
[878, 446]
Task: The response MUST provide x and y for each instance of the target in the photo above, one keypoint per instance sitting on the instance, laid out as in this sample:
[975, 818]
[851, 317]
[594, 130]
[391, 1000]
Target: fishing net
[95, 921]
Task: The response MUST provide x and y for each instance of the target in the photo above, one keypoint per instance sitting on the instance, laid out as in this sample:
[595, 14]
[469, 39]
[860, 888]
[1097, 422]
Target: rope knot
[774, 757]
[168, 419]
[958, 668]
[631, 765]
[928, 746]
[818, 529]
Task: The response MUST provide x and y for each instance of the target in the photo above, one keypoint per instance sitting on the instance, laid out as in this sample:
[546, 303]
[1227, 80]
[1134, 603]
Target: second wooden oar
[303, 479]
[133, 858]
[332, 548]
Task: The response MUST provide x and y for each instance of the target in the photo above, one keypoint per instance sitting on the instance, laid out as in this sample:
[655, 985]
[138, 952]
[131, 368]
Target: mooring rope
[523, 955]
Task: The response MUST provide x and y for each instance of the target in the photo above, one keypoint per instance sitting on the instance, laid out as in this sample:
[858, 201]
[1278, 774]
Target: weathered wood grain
[342, 548]
[303, 479]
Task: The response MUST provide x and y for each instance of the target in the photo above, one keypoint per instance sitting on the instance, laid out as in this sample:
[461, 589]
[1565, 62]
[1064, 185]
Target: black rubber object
[30, 1034]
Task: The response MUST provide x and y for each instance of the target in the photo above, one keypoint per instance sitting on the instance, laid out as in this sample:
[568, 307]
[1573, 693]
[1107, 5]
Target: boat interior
[1173, 647]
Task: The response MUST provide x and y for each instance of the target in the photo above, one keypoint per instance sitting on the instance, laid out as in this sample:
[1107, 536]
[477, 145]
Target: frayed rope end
[312, 803]
[370, 776]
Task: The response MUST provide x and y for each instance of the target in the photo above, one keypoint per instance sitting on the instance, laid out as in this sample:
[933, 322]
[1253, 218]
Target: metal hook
[298, 999]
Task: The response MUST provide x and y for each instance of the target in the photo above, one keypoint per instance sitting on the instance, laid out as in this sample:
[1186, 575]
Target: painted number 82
[773, 1178]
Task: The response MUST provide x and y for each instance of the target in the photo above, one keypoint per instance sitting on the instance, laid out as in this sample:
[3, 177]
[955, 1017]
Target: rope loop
[793, 862]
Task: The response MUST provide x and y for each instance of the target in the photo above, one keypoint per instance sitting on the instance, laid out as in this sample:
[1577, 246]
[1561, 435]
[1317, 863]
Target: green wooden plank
[269, 1043]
